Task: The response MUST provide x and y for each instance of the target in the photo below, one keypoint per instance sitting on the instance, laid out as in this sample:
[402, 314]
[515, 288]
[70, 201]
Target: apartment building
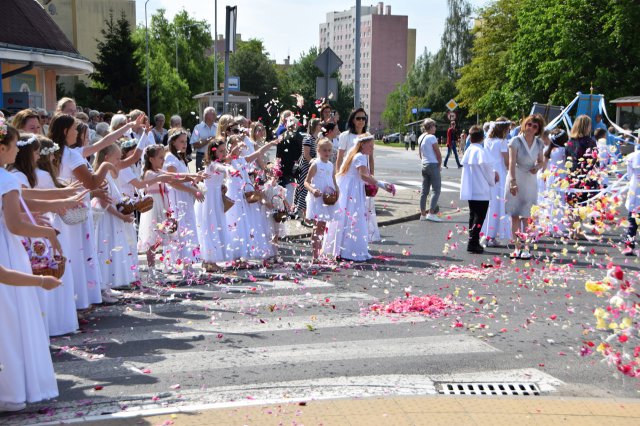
[387, 52]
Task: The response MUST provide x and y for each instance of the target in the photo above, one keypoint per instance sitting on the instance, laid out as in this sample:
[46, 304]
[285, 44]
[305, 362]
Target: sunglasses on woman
[234, 130]
[361, 118]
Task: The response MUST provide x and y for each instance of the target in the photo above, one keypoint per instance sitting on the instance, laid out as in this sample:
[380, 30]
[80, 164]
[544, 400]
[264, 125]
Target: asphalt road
[310, 333]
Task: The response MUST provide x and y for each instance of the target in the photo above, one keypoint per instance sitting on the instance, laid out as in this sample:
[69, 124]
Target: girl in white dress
[348, 235]
[58, 305]
[497, 223]
[357, 126]
[27, 371]
[210, 217]
[247, 227]
[183, 250]
[73, 167]
[320, 180]
[154, 181]
[555, 197]
[118, 260]
[274, 200]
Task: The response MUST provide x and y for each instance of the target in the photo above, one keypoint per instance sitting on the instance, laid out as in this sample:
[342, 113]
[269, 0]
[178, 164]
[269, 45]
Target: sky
[290, 27]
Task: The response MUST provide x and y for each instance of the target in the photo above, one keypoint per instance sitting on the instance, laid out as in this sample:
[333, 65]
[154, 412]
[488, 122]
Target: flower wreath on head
[3, 128]
[493, 124]
[29, 141]
[49, 151]
[365, 137]
[129, 143]
[557, 136]
[176, 135]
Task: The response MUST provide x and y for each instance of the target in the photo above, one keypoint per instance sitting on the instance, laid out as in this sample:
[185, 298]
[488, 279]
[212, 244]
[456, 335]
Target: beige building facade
[82, 21]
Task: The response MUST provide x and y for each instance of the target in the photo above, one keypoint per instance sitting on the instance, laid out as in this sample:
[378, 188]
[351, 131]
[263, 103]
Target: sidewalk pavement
[400, 411]
[389, 210]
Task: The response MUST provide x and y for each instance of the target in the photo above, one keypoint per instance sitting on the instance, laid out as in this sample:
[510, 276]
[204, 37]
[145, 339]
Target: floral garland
[3, 128]
[49, 151]
[29, 141]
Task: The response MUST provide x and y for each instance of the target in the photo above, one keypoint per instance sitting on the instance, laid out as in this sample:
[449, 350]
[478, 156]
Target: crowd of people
[83, 193]
[522, 182]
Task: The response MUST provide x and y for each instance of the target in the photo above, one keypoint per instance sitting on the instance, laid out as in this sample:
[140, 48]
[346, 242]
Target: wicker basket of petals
[75, 215]
[144, 204]
[252, 196]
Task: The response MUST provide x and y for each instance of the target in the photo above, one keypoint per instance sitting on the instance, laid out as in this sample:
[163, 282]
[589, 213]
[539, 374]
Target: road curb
[387, 222]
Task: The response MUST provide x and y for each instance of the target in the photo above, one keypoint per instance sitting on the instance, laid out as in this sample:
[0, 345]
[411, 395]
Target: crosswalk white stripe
[245, 325]
[193, 361]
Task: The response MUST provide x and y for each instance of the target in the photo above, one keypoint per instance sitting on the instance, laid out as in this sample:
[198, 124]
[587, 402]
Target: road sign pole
[356, 80]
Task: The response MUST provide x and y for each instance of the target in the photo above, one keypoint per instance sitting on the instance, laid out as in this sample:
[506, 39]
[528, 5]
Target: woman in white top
[431, 159]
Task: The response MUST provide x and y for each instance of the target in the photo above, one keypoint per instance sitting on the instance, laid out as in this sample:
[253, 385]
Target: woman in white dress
[73, 167]
[210, 217]
[27, 371]
[58, 306]
[184, 244]
[348, 235]
[521, 191]
[497, 224]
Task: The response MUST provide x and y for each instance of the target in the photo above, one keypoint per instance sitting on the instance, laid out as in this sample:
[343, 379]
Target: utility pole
[146, 33]
[215, 46]
[229, 42]
[356, 80]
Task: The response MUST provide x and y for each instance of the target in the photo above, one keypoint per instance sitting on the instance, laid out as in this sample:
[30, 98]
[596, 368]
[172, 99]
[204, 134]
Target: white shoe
[107, 298]
[524, 254]
[12, 406]
[423, 218]
[483, 241]
[492, 242]
[115, 293]
[433, 218]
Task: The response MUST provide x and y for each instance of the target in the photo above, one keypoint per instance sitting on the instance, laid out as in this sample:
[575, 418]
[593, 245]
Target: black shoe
[475, 248]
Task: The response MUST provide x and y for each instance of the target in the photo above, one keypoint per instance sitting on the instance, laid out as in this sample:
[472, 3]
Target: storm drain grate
[520, 389]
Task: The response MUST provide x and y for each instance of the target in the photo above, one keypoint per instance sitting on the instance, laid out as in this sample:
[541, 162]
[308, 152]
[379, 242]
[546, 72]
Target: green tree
[117, 81]
[545, 51]
[481, 86]
[456, 39]
[563, 47]
[257, 74]
[172, 89]
[300, 78]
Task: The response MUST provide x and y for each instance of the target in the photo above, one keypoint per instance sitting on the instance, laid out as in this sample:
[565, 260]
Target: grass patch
[393, 144]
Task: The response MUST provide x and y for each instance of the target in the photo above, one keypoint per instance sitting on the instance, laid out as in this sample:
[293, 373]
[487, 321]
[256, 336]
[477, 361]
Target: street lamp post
[146, 33]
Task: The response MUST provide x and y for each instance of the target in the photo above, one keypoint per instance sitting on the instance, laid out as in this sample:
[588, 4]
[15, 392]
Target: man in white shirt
[202, 133]
[478, 176]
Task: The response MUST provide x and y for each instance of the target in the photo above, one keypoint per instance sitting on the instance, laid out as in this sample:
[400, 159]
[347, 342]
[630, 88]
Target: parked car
[393, 137]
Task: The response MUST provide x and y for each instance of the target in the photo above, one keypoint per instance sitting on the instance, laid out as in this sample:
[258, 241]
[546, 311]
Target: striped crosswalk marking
[417, 184]
[195, 361]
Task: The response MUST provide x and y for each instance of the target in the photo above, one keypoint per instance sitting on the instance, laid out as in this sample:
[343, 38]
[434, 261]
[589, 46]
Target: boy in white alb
[478, 177]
